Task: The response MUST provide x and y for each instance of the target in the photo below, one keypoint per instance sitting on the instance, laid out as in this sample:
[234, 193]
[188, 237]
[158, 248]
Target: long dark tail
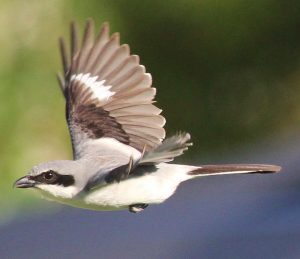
[234, 169]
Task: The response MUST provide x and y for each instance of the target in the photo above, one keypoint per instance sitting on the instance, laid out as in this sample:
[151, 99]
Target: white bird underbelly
[152, 188]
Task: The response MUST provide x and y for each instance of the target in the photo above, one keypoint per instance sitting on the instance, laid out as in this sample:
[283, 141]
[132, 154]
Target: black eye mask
[52, 177]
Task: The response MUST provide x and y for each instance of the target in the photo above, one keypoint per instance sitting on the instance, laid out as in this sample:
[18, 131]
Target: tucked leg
[137, 207]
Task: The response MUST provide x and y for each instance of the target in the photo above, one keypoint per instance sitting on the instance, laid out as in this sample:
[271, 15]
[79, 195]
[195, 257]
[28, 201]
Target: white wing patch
[100, 91]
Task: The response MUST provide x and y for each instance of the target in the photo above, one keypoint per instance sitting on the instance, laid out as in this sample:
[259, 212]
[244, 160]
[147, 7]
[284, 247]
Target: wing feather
[107, 51]
[100, 42]
[142, 110]
[87, 44]
[108, 93]
[128, 64]
[115, 60]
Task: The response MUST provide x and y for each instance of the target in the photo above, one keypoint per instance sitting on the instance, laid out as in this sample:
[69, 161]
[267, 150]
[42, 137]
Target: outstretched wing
[109, 96]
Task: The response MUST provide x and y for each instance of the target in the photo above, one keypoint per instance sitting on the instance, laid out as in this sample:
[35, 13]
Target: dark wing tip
[89, 30]
[64, 55]
[74, 38]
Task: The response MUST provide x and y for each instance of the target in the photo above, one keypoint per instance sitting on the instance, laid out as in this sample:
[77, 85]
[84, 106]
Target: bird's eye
[49, 176]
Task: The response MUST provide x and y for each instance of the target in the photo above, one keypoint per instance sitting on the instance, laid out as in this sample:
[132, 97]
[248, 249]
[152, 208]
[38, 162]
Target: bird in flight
[121, 156]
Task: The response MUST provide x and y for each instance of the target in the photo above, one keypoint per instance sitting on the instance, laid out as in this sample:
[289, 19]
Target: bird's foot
[135, 208]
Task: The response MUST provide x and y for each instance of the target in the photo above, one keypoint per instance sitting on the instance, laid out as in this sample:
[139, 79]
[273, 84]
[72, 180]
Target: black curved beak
[24, 182]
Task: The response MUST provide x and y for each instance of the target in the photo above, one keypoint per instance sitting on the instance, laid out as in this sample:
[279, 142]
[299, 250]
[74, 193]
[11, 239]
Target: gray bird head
[61, 179]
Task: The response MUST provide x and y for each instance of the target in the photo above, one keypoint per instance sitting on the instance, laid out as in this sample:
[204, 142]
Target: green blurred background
[226, 71]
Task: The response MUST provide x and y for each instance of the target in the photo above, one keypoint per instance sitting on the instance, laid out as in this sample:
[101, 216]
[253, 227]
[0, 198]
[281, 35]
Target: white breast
[151, 188]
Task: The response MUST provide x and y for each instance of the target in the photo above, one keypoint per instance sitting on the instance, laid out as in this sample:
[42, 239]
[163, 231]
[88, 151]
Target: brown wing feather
[108, 92]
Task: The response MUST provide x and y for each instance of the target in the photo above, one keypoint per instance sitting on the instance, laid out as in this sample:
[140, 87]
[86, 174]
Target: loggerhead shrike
[120, 155]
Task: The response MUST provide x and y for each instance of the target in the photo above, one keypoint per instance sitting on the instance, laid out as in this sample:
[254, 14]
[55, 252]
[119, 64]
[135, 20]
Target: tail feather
[234, 169]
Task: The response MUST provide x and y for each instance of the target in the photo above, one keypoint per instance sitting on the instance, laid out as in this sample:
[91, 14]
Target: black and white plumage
[120, 152]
